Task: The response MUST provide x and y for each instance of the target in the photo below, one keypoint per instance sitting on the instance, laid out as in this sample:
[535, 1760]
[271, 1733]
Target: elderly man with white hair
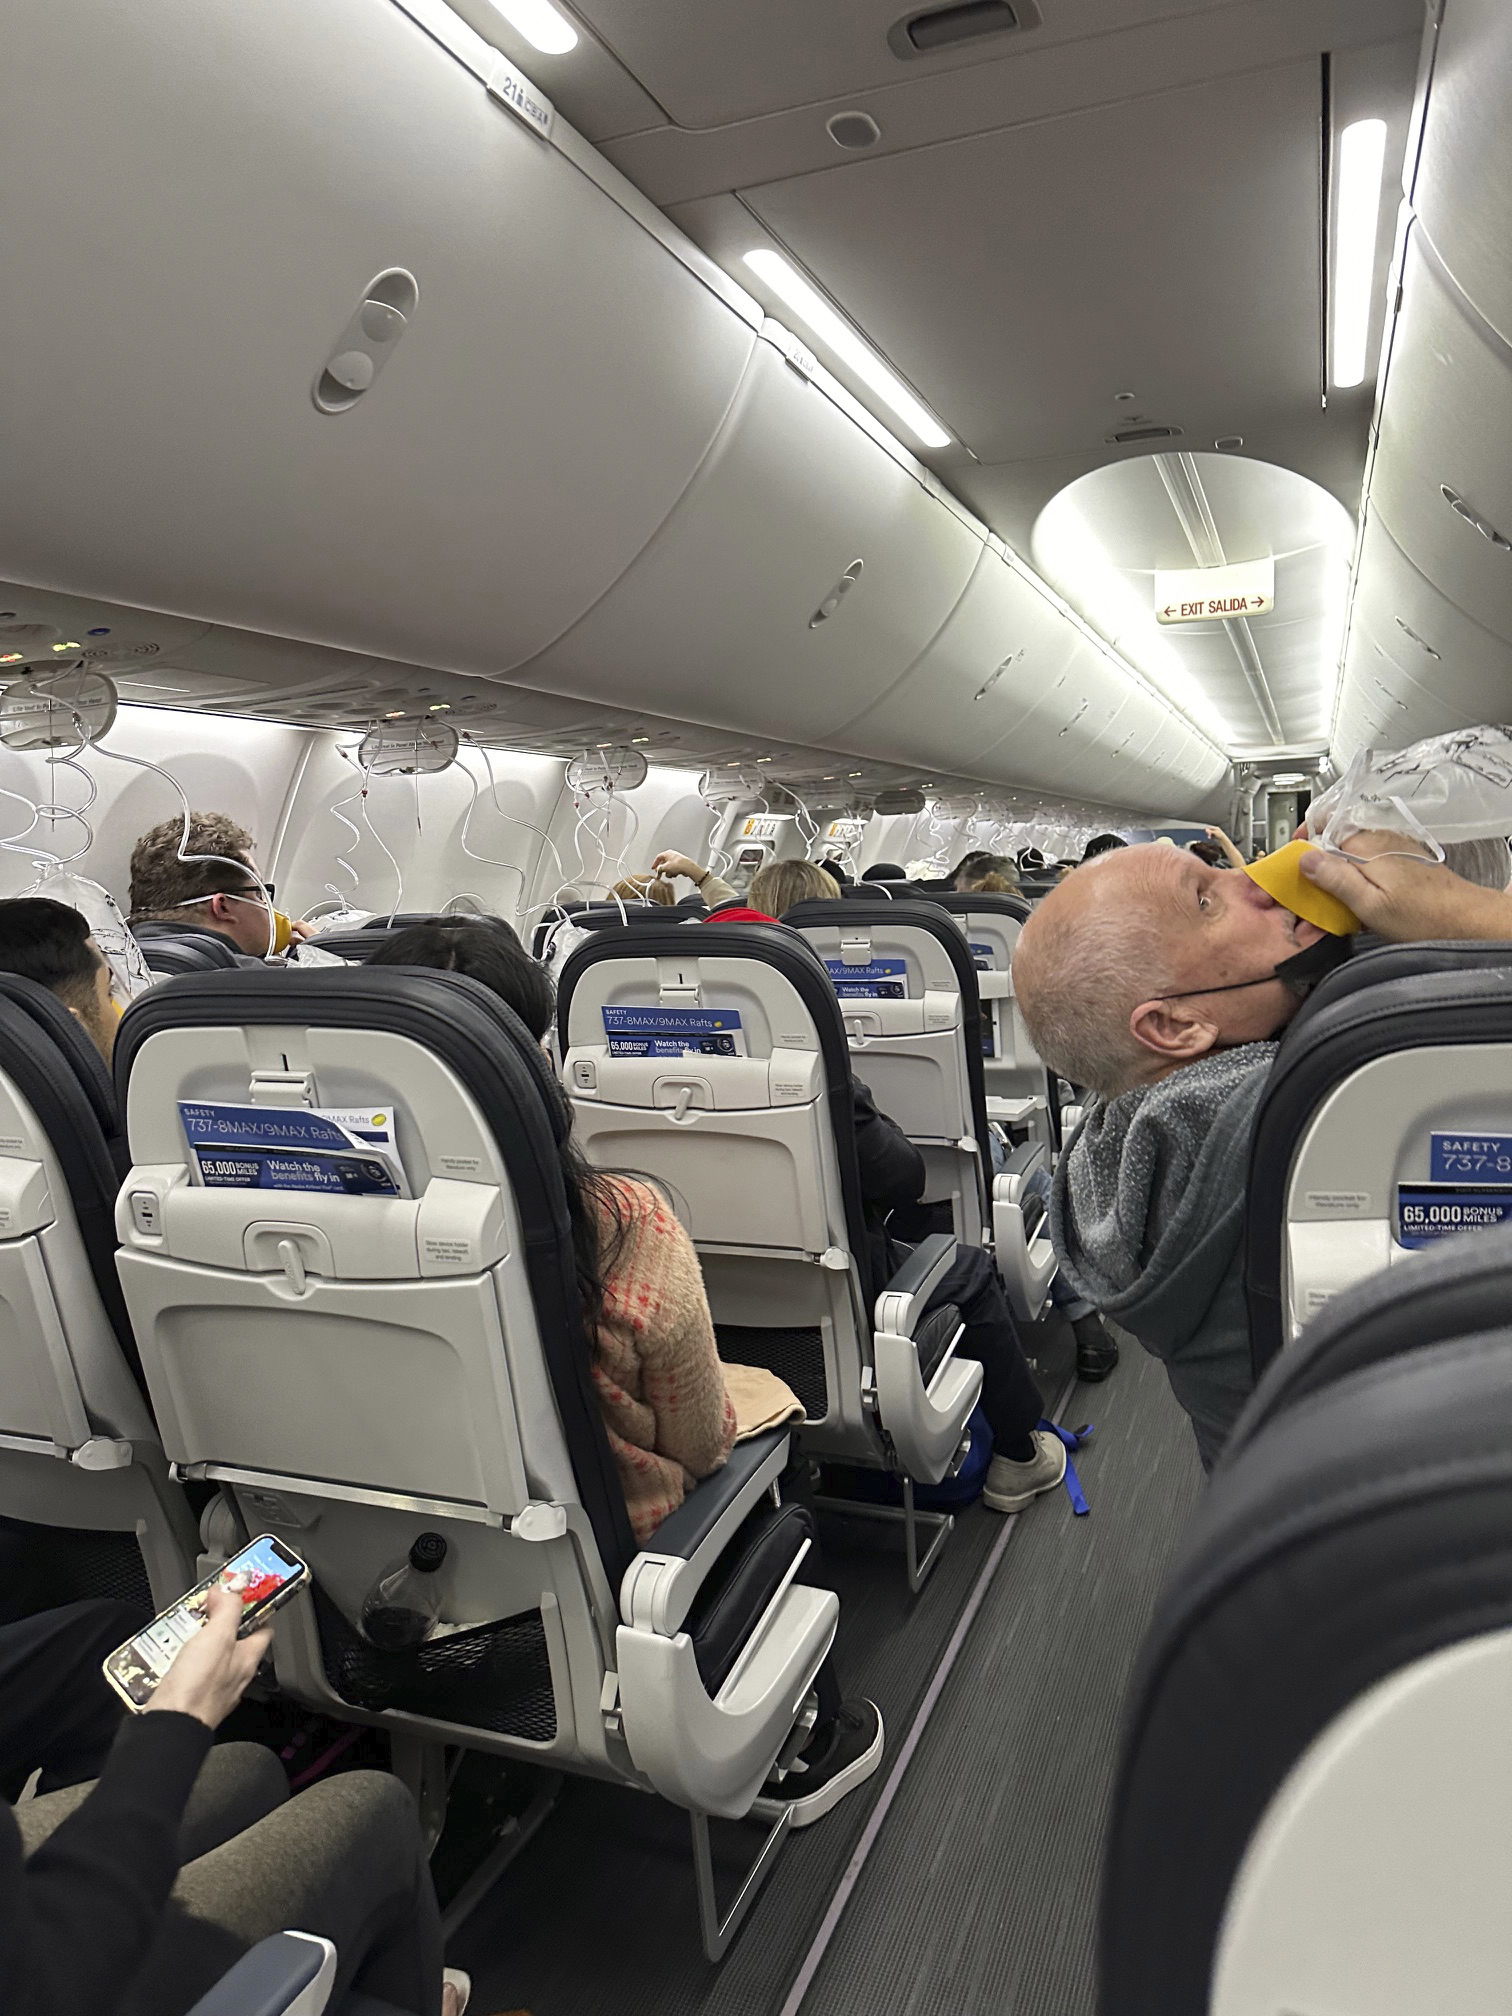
[1161, 984]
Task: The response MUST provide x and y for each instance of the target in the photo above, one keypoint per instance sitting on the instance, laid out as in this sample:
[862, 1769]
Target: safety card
[1470, 1188]
[877, 980]
[1471, 1158]
[674, 1032]
[348, 1150]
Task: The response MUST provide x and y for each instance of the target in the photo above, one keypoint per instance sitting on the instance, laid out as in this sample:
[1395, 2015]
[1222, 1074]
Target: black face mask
[1299, 974]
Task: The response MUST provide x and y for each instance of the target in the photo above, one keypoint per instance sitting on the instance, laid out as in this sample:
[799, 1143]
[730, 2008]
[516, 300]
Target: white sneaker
[1011, 1486]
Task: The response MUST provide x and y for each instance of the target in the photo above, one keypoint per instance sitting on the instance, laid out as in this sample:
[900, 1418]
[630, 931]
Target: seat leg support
[718, 1932]
[518, 1833]
[941, 1524]
[420, 1766]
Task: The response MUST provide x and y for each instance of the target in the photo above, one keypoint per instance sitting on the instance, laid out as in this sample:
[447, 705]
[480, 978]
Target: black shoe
[1096, 1352]
[836, 1761]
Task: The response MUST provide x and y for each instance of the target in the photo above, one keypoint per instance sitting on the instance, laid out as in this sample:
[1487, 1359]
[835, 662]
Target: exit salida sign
[1215, 594]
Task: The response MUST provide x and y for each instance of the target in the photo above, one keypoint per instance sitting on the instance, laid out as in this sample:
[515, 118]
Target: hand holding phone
[215, 1667]
[145, 1671]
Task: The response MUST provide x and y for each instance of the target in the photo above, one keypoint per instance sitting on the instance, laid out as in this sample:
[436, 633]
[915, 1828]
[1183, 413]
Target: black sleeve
[77, 1919]
[892, 1169]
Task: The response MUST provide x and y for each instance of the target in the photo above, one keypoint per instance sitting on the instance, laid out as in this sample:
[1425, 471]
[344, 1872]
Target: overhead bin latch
[369, 339]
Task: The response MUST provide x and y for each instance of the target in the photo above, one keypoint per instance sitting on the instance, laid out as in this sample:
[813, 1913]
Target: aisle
[980, 1894]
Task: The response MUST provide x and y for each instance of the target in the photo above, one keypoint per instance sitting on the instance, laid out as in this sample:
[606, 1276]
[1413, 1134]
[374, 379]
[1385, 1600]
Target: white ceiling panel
[1023, 278]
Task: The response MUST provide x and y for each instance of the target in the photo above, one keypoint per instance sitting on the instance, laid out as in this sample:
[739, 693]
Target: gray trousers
[343, 1859]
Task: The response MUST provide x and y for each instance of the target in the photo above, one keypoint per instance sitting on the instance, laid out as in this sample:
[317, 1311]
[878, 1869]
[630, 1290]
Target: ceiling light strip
[1362, 162]
[843, 343]
[541, 24]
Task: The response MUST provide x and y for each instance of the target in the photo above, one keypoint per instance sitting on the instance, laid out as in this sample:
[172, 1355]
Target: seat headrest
[1382, 963]
[72, 1039]
[983, 902]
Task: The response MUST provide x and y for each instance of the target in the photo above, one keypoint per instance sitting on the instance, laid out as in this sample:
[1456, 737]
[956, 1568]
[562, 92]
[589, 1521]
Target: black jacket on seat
[892, 1175]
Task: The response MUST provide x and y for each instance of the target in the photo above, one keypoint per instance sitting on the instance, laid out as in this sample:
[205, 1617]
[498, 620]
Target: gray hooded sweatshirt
[1147, 1216]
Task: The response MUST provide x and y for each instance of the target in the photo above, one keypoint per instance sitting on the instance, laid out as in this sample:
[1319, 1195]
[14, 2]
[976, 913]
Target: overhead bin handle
[368, 341]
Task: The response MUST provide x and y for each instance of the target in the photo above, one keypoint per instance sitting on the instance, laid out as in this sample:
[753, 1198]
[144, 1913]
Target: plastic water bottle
[404, 1603]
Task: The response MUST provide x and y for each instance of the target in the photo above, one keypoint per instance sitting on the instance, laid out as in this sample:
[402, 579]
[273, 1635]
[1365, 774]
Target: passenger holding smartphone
[100, 1910]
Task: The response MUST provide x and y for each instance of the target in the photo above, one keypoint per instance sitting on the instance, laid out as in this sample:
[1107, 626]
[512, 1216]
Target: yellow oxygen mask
[283, 932]
[1280, 876]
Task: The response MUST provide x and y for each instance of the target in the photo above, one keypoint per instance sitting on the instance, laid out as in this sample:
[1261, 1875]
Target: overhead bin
[804, 569]
[177, 276]
[1415, 664]
[1463, 188]
[1010, 688]
[1442, 481]
[982, 673]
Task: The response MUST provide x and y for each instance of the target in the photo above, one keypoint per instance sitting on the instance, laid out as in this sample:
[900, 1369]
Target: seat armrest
[1024, 1159]
[901, 1302]
[289, 1974]
[662, 1582]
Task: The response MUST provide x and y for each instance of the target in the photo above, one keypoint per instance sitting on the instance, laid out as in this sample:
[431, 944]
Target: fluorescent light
[541, 25]
[839, 337]
[1362, 157]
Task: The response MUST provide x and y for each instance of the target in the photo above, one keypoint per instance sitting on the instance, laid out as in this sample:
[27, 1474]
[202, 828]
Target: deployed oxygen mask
[60, 711]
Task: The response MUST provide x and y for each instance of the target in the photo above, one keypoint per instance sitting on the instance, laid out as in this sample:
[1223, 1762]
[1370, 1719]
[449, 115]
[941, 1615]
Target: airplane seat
[907, 980]
[908, 997]
[1310, 1808]
[81, 1463]
[402, 920]
[399, 1351]
[1365, 1142]
[1021, 1093]
[171, 948]
[577, 913]
[715, 1062]
[861, 892]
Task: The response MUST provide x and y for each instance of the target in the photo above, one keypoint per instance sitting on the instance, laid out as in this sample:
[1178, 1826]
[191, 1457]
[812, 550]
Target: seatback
[749, 1129]
[399, 1350]
[908, 997]
[870, 892]
[1452, 1289]
[170, 949]
[78, 1446]
[1354, 1159]
[1020, 1091]
[569, 918]
[1310, 1809]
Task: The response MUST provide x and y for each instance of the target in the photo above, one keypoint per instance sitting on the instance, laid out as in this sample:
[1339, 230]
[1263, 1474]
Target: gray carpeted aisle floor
[979, 1898]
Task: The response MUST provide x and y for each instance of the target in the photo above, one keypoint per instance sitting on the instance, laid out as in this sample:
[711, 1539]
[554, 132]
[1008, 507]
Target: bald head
[1142, 960]
[1086, 958]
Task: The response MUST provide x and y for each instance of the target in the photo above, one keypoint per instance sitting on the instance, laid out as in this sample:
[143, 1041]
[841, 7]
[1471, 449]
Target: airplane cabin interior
[756, 1007]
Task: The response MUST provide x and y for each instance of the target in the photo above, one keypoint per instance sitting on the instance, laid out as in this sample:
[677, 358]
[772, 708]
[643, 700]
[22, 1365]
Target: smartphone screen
[263, 1575]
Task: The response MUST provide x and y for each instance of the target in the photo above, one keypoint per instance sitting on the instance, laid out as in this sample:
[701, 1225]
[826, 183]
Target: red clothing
[738, 914]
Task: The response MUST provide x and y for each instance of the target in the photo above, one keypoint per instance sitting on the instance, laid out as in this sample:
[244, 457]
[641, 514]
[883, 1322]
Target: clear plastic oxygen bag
[1446, 789]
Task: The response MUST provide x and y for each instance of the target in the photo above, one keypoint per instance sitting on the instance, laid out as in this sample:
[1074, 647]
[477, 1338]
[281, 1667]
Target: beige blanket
[762, 1400]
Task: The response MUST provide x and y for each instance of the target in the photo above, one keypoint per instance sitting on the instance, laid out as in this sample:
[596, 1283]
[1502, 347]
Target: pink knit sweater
[655, 1364]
